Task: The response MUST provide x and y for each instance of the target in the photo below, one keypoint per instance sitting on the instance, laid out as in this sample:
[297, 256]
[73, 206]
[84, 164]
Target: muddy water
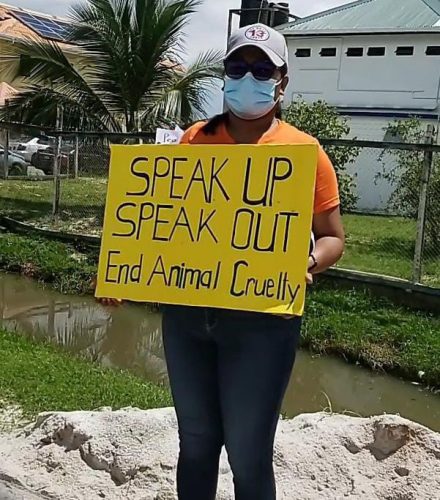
[130, 338]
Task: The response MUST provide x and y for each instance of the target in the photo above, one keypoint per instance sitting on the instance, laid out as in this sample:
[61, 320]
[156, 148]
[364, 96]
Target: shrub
[405, 176]
[324, 122]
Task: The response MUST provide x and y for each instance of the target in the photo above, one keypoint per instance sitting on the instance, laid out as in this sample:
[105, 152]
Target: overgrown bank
[63, 267]
[39, 376]
[374, 331]
[350, 323]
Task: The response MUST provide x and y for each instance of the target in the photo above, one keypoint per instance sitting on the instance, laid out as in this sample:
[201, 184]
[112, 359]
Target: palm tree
[122, 69]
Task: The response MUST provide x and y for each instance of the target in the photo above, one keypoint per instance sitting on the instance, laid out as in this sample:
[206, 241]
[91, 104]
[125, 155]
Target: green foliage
[40, 377]
[404, 173]
[322, 121]
[126, 70]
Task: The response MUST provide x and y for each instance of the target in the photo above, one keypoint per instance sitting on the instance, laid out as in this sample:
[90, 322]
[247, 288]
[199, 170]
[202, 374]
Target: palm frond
[187, 94]
[125, 63]
[45, 64]
[39, 106]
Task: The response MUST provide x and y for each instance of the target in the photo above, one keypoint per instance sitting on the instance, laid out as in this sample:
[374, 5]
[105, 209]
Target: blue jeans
[228, 373]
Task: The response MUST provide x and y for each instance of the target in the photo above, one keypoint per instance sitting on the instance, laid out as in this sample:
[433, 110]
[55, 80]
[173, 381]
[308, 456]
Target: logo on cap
[257, 34]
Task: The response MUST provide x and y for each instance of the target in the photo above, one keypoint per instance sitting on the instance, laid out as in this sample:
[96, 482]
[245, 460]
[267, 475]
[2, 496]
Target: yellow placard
[209, 225]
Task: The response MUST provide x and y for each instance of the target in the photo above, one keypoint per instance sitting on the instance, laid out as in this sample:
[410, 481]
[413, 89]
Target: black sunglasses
[261, 70]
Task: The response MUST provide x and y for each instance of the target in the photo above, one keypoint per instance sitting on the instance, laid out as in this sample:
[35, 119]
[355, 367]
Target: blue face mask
[249, 98]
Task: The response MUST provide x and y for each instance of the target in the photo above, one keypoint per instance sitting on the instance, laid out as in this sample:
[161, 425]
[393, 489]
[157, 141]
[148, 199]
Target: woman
[229, 370]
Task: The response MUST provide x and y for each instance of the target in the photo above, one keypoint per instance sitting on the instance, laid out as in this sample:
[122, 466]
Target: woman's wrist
[313, 262]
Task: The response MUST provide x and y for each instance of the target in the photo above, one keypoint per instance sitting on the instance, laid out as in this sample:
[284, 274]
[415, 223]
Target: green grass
[382, 245]
[349, 323]
[379, 334]
[81, 205]
[385, 245]
[40, 377]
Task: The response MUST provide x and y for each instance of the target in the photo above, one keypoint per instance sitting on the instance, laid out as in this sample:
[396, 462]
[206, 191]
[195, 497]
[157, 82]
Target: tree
[121, 70]
[321, 120]
[405, 174]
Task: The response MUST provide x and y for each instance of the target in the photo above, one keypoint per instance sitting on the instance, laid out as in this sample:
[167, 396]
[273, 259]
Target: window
[328, 52]
[376, 51]
[355, 52]
[405, 51]
[433, 50]
[303, 52]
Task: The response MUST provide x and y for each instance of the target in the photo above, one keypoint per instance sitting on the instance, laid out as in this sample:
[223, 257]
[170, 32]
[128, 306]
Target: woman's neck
[249, 131]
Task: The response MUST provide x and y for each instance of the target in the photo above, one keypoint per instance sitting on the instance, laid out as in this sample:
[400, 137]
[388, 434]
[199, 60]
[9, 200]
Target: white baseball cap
[270, 41]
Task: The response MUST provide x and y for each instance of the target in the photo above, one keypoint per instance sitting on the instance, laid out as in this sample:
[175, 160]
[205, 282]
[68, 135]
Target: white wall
[373, 192]
[390, 81]
[369, 83]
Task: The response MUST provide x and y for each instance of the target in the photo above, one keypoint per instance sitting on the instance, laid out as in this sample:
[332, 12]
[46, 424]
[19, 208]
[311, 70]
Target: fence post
[6, 152]
[421, 216]
[139, 126]
[56, 164]
[76, 157]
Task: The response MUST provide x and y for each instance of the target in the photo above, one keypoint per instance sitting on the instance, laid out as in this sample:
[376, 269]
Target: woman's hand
[105, 301]
[110, 302]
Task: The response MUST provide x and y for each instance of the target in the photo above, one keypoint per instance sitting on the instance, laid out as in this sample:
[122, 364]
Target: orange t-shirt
[326, 187]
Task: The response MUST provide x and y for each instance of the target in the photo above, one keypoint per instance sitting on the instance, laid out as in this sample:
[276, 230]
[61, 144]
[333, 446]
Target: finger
[105, 301]
[114, 302]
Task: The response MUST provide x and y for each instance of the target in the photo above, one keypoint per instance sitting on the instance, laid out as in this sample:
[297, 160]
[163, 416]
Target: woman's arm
[330, 240]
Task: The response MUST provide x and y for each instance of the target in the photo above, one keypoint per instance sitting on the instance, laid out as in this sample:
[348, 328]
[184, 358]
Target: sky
[207, 29]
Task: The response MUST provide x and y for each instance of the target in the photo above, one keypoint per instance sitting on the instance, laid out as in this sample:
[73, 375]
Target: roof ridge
[14, 8]
[327, 12]
[417, 14]
[434, 5]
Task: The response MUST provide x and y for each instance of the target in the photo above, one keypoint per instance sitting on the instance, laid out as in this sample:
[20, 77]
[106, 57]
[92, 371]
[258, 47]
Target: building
[6, 92]
[18, 24]
[376, 61]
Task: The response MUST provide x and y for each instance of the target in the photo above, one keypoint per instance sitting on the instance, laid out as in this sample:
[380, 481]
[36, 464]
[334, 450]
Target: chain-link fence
[83, 190]
[59, 182]
[394, 228]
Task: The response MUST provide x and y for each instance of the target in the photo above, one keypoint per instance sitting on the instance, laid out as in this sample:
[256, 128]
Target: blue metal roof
[372, 14]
